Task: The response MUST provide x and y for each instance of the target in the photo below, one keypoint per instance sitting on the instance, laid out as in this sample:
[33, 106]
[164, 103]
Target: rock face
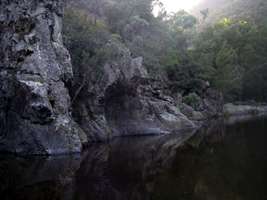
[125, 101]
[34, 71]
[204, 105]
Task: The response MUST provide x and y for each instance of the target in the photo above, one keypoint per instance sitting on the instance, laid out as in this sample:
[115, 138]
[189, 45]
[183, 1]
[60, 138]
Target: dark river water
[225, 161]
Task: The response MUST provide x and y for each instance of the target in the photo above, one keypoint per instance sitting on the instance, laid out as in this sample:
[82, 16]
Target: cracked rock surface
[35, 67]
[126, 101]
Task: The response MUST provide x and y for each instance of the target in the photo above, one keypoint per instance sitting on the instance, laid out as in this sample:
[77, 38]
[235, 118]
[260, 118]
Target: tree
[228, 76]
[204, 13]
[227, 51]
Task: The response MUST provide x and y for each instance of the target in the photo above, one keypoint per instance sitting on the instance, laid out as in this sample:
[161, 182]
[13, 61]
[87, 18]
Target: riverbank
[146, 167]
[231, 109]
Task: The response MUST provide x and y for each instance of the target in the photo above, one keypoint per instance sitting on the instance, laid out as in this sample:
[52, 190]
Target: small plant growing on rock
[192, 100]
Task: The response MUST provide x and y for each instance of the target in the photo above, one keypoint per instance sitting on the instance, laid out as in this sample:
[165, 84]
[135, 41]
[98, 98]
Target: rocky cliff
[44, 109]
[125, 100]
[34, 71]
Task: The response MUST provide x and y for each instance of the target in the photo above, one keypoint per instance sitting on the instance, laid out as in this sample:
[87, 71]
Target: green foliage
[182, 20]
[161, 41]
[228, 73]
[192, 100]
[227, 51]
[230, 53]
[255, 84]
[84, 38]
[185, 78]
[120, 13]
[204, 13]
[90, 43]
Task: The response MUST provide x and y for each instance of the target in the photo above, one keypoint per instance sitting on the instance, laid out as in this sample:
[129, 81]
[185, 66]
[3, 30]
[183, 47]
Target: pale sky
[175, 5]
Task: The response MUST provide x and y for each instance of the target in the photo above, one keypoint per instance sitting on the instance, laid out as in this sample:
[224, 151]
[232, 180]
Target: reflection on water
[219, 162]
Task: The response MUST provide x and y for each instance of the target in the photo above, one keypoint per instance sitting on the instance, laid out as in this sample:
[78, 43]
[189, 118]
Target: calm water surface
[219, 162]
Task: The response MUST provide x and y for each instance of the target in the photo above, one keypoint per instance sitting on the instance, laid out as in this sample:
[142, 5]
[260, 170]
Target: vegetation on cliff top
[226, 46]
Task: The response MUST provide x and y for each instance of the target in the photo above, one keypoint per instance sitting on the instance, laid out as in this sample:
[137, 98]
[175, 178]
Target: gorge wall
[35, 68]
[124, 101]
[47, 109]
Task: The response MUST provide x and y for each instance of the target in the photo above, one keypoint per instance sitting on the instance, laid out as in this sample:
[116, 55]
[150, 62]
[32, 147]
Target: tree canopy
[224, 44]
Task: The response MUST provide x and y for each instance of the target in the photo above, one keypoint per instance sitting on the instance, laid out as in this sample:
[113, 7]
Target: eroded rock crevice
[44, 109]
[126, 102]
[35, 104]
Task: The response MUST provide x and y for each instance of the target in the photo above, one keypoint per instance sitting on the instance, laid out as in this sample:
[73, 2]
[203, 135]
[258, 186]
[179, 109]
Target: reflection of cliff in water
[219, 162]
[127, 168]
[225, 162]
[37, 178]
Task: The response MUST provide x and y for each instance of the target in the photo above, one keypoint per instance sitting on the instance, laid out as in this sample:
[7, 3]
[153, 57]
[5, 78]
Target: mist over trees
[223, 44]
[232, 48]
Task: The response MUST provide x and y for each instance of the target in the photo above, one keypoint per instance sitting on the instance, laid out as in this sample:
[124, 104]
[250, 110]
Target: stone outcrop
[125, 101]
[116, 99]
[205, 105]
[35, 68]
